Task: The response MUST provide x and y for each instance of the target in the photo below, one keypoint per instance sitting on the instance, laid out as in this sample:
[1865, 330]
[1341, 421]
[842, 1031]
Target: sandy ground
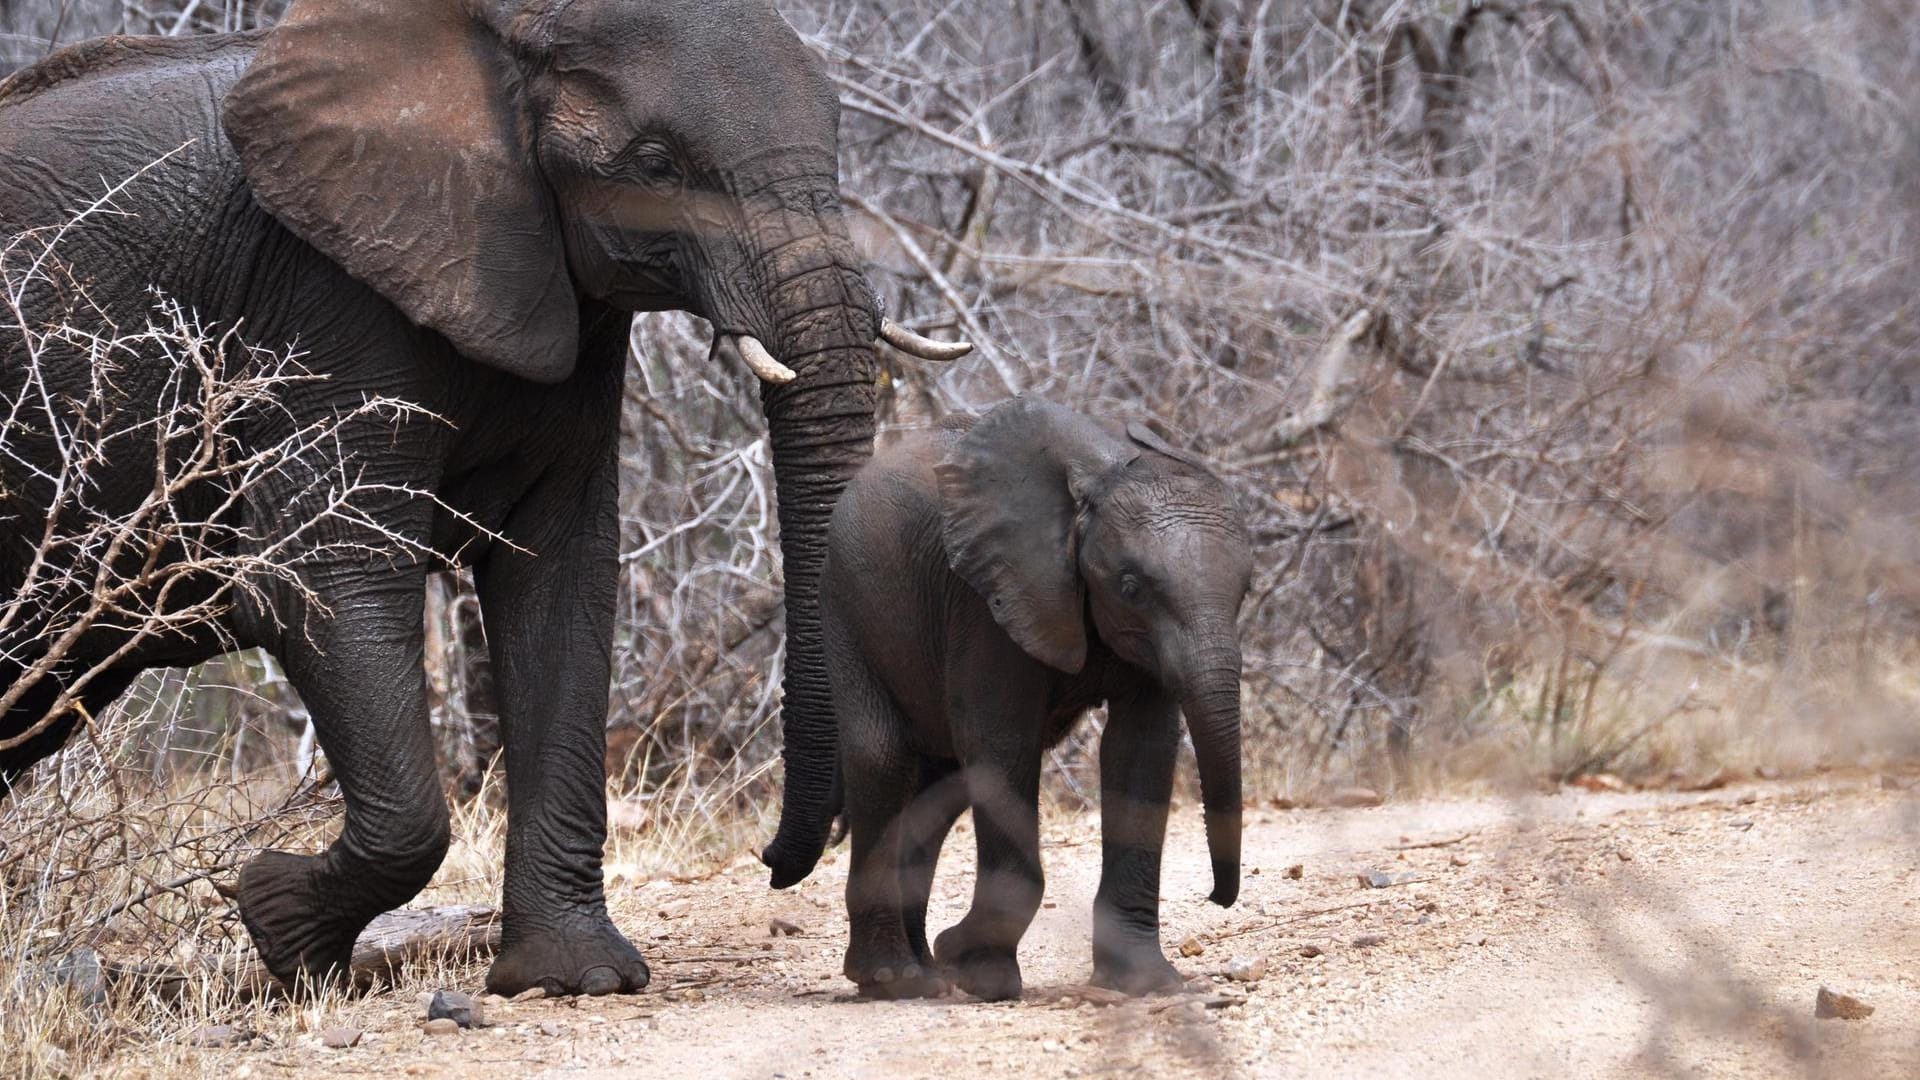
[1578, 934]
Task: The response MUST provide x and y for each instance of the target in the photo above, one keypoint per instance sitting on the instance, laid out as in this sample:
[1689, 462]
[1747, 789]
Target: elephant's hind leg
[982, 949]
[100, 692]
[882, 774]
[997, 719]
[358, 671]
[941, 800]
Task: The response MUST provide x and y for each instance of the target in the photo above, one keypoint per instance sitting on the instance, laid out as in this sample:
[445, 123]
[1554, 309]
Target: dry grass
[104, 864]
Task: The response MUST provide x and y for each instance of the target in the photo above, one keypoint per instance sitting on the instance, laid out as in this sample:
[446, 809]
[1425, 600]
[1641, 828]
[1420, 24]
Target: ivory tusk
[756, 357]
[923, 347]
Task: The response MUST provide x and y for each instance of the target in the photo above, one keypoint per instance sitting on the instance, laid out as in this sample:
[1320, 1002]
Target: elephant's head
[486, 164]
[1070, 526]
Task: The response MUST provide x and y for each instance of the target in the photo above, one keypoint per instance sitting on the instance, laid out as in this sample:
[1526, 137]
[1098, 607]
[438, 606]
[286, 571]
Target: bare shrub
[104, 851]
[1558, 351]
[174, 559]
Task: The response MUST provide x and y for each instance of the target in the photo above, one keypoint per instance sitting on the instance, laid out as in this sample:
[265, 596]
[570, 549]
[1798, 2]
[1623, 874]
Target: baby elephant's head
[1069, 525]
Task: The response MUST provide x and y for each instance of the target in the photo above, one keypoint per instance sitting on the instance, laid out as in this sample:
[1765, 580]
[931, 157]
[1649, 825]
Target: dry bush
[1558, 350]
[114, 856]
[1560, 353]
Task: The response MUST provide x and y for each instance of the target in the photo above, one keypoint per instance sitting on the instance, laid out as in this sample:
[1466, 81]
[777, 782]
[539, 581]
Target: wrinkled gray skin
[458, 205]
[984, 588]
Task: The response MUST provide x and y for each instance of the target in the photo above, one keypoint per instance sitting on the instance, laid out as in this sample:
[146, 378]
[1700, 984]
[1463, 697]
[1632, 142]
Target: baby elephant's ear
[1010, 494]
[1146, 436]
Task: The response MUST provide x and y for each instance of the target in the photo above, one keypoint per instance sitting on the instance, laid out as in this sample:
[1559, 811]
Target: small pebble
[457, 1007]
[1192, 946]
[783, 928]
[675, 909]
[1247, 969]
[1368, 941]
[1296, 870]
[550, 1029]
[442, 1026]
[1833, 1005]
[1310, 951]
[340, 1038]
[531, 993]
[1380, 879]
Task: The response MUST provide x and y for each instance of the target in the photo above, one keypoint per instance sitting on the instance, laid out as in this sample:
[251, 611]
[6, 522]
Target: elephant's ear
[386, 134]
[1145, 433]
[1011, 493]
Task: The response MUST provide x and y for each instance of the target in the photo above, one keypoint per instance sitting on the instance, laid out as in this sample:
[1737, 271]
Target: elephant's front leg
[548, 612]
[1137, 753]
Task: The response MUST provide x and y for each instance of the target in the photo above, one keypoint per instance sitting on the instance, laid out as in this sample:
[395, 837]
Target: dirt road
[1571, 935]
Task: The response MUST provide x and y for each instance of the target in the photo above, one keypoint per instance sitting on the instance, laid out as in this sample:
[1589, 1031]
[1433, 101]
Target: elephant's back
[886, 524]
[123, 113]
[886, 582]
[99, 62]
[898, 487]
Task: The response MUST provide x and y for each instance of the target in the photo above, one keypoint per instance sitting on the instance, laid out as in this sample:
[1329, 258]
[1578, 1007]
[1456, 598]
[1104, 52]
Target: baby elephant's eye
[1129, 587]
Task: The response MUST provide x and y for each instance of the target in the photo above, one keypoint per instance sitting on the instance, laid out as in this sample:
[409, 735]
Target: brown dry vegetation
[1562, 355]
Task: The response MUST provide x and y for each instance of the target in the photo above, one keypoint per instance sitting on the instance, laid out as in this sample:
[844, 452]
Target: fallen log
[451, 932]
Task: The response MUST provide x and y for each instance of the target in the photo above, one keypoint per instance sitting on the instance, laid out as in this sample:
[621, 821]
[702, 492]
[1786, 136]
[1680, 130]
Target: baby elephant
[986, 584]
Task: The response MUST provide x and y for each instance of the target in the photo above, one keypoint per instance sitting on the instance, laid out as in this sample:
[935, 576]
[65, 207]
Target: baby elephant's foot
[991, 973]
[892, 974]
[590, 957]
[910, 981]
[1136, 973]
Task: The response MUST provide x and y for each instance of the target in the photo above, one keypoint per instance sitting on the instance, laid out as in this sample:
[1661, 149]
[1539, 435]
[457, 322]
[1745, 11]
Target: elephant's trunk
[822, 432]
[1210, 698]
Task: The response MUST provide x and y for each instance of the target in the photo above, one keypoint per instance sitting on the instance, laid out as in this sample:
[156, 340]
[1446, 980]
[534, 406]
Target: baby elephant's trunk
[1211, 701]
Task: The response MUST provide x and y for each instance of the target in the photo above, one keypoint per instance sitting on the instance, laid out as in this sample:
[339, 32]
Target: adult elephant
[456, 204]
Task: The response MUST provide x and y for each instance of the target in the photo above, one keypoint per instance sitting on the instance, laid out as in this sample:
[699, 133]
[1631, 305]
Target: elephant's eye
[658, 169]
[651, 164]
[1129, 587]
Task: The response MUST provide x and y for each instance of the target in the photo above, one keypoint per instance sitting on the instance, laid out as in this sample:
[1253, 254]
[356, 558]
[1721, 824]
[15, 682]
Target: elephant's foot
[589, 957]
[910, 981]
[296, 924]
[1138, 972]
[893, 974]
[988, 972]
